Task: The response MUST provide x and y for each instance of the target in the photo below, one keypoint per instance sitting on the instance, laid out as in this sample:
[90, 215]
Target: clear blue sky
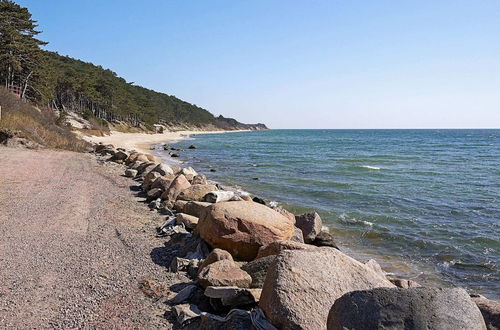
[298, 64]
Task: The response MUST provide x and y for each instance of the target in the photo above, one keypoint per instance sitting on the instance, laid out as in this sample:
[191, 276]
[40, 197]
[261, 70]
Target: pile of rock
[255, 265]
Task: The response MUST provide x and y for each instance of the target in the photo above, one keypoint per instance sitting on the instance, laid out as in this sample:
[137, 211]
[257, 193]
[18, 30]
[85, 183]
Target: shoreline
[143, 141]
[197, 222]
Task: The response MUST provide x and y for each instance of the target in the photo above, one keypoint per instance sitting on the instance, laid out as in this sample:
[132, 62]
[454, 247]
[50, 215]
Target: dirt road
[74, 244]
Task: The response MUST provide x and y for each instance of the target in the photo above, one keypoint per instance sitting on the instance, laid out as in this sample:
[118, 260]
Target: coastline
[171, 267]
[197, 222]
[142, 141]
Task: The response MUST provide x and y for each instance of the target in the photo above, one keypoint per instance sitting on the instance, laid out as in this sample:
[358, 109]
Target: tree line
[66, 84]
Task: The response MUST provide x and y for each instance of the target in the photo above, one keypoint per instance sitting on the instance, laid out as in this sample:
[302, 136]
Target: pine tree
[19, 49]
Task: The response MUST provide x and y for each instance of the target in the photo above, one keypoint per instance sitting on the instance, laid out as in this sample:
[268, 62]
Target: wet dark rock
[192, 147]
[259, 200]
[324, 238]
[257, 269]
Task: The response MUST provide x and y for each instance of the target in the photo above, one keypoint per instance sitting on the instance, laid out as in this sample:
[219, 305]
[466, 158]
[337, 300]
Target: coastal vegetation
[22, 123]
[64, 84]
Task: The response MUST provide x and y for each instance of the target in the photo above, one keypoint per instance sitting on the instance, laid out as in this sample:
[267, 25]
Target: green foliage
[19, 49]
[75, 85]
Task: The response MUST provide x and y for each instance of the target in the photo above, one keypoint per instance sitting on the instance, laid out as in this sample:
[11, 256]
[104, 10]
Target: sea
[424, 203]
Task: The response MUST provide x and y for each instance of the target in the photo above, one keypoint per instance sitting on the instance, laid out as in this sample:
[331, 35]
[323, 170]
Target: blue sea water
[424, 203]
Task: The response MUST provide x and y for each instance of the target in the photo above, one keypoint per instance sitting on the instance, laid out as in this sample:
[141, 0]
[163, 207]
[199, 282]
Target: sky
[297, 64]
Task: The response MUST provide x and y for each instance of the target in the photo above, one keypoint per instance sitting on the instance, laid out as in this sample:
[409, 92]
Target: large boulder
[162, 182]
[144, 168]
[490, 310]
[189, 173]
[150, 178]
[178, 184]
[310, 224]
[301, 286]
[411, 309]
[196, 192]
[242, 227]
[163, 169]
[224, 273]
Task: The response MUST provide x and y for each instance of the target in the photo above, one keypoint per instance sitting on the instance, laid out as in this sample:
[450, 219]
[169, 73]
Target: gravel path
[74, 245]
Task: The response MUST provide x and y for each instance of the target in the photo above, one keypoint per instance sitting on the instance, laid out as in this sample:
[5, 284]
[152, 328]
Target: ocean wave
[345, 219]
[371, 167]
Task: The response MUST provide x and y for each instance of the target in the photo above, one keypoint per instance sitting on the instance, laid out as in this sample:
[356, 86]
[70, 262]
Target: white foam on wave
[370, 167]
[345, 219]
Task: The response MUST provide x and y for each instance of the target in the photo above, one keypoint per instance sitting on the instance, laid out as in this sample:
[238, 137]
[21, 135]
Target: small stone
[234, 296]
[310, 224]
[192, 147]
[403, 283]
[154, 193]
[324, 238]
[186, 312]
[214, 256]
[259, 200]
[130, 173]
[199, 179]
[195, 208]
[183, 295]
[187, 220]
[298, 236]
[178, 264]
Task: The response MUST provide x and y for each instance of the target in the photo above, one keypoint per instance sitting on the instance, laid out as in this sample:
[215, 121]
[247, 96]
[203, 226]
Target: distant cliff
[233, 124]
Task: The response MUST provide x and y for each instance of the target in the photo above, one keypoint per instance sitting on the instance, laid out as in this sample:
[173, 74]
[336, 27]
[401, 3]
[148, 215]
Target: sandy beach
[142, 141]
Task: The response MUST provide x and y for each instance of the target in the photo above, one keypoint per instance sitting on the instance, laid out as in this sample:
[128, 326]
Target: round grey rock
[411, 309]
